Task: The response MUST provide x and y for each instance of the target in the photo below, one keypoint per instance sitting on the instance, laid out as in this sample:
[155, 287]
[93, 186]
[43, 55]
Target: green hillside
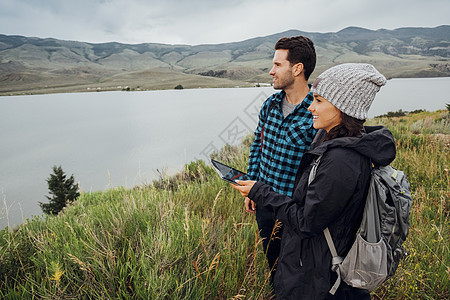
[188, 236]
[35, 65]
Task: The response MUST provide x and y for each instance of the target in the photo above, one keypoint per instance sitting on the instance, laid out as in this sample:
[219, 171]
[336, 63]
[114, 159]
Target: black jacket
[334, 199]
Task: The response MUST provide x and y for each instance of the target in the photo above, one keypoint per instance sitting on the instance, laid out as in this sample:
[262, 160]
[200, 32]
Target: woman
[336, 197]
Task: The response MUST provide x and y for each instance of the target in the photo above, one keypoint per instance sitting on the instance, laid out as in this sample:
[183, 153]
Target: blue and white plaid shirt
[284, 142]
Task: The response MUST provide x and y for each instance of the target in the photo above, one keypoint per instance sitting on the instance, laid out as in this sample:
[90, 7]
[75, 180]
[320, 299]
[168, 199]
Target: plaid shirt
[284, 142]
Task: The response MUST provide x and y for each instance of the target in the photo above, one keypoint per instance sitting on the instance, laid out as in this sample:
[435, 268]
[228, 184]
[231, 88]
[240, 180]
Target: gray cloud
[203, 21]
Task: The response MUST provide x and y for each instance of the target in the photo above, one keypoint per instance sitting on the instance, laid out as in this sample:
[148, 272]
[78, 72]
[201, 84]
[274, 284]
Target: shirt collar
[306, 101]
[279, 96]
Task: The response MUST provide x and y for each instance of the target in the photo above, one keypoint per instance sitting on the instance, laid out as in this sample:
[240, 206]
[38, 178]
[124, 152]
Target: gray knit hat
[350, 87]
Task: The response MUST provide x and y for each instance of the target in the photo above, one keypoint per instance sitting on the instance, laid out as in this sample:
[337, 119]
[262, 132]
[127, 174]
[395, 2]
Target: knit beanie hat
[350, 87]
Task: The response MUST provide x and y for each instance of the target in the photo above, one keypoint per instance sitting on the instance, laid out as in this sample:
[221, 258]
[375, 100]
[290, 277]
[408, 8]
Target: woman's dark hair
[349, 127]
[301, 50]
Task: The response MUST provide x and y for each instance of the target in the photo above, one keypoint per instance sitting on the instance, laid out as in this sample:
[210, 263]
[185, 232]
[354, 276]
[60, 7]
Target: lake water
[111, 139]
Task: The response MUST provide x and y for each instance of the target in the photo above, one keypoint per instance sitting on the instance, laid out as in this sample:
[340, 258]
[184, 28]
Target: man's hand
[250, 206]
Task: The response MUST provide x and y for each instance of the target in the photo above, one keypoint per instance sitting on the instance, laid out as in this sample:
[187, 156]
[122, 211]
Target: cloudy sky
[208, 21]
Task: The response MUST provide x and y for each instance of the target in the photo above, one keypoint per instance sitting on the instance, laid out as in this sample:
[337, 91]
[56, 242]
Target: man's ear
[298, 69]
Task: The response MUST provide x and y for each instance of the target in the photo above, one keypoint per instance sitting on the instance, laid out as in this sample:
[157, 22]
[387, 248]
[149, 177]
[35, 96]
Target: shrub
[63, 190]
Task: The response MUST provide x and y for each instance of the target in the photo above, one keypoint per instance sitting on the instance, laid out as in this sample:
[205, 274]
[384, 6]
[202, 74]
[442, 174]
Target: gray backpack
[377, 250]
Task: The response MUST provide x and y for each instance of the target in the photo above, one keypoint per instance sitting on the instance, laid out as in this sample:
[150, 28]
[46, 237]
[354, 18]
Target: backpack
[377, 250]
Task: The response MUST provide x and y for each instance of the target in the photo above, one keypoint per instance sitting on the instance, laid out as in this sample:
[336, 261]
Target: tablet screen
[228, 173]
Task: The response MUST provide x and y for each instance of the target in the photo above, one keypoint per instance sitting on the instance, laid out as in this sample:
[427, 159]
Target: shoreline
[98, 89]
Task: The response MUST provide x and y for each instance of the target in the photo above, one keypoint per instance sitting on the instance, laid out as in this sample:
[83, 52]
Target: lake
[110, 139]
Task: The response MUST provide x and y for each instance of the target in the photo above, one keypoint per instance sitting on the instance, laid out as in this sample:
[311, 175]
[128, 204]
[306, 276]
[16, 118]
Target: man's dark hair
[301, 50]
[349, 127]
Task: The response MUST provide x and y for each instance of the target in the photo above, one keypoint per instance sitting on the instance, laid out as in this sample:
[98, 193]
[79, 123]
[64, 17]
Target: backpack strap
[312, 173]
[336, 259]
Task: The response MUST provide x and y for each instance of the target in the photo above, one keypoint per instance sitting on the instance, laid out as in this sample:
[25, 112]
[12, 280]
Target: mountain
[36, 65]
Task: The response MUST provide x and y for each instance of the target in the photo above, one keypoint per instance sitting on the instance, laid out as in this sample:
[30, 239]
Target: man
[284, 132]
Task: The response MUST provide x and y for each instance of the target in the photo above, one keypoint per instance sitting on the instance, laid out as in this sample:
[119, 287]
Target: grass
[187, 236]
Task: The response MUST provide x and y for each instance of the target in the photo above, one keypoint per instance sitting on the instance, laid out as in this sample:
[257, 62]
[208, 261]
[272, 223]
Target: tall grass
[183, 237]
[188, 237]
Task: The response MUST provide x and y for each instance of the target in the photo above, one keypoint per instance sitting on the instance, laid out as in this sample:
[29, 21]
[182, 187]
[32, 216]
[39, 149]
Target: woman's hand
[244, 186]
[250, 206]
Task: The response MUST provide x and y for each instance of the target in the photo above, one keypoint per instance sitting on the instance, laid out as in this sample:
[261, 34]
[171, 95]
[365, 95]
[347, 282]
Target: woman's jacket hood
[377, 143]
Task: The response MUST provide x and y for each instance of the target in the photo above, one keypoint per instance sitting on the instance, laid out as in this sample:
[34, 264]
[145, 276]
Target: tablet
[228, 173]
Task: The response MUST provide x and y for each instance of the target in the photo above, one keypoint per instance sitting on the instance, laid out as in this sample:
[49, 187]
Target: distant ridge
[36, 65]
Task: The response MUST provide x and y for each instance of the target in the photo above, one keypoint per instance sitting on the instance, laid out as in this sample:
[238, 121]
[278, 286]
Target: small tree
[62, 189]
[179, 87]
